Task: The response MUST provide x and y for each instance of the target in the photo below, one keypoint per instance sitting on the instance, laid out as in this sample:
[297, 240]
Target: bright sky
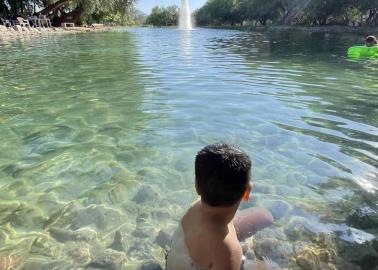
[146, 5]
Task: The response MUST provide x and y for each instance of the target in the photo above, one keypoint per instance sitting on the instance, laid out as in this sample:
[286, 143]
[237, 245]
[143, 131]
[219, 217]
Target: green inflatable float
[363, 51]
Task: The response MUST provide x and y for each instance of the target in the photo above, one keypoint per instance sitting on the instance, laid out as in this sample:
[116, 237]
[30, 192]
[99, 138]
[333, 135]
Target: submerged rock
[44, 246]
[298, 227]
[271, 232]
[164, 238]
[265, 264]
[109, 259]
[61, 235]
[287, 191]
[58, 264]
[85, 234]
[273, 249]
[313, 258]
[278, 208]
[97, 215]
[36, 263]
[151, 265]
[117, 242]
[140, 249]
[263, 188]
[146, 194]
[363, 218]
[61, 215]
[80, 254]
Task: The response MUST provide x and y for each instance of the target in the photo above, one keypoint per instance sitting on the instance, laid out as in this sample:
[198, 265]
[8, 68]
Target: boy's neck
[221, 215]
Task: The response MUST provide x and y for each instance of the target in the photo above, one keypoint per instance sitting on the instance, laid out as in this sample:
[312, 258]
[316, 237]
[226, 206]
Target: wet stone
[151, 265]
[313, 258]
[58, 264]
[264, 264]
[109, 259]
[263, 188]
[297, 228]
[117, 242]
[161, 215]
[284, 190]
[80, 254]
[146, 194]
[293, 179]
[44, 246]
[164, 238]
[142, 218]
[274, 249]
[140, 249]
[84, 234]
[278, 208]
[61, 235]
[142, 233]
[99, 216]
[360, 254]
[34, 264]
[363, 218]
[274, 232]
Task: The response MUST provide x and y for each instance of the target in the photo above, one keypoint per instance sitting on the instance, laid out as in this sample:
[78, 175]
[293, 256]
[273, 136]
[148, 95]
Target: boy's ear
[247, 193]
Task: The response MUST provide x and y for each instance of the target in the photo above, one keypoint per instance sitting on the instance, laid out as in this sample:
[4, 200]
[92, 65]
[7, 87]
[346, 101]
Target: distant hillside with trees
[288, 12]
[77, 11]
[163, 16]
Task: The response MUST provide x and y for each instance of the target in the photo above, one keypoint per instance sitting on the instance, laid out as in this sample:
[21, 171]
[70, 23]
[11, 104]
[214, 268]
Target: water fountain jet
[185, 20]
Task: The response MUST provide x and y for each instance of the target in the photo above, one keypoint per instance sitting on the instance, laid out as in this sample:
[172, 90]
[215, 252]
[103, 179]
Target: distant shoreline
[11, 34]
[335, 29]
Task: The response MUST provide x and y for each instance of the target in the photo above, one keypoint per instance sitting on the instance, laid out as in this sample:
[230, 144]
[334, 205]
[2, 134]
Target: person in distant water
[208, 235]
[371, 41]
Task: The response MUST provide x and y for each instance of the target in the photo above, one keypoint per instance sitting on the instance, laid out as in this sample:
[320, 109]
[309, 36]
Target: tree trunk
[76, 16]
[53, 7]
[3, 9]
[373, 17]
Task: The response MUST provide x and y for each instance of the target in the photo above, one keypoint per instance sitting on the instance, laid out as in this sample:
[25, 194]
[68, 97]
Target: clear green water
[100, 131]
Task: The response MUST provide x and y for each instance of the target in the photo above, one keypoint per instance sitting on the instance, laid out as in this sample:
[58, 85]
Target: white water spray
[185, 21]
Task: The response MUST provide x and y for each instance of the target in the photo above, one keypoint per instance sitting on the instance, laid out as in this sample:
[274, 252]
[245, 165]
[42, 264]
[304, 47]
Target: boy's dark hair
[371, 40]
[223, 172]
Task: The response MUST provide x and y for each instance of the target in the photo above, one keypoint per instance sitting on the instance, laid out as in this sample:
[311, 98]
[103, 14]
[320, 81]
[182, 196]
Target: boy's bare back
[211, 240]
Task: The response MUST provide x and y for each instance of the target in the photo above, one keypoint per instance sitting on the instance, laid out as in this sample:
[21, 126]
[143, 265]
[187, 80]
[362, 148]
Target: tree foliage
[67, 10]
[163, 16]
[302, 12]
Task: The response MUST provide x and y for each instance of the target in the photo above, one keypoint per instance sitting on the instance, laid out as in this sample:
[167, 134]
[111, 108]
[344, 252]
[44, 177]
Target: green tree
[261, 10]
[306, 12]
[65, 10]
[219, 12]
[163, 16]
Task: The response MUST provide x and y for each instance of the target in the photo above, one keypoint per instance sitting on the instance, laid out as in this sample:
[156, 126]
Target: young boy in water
[208, 235]
[371, 41]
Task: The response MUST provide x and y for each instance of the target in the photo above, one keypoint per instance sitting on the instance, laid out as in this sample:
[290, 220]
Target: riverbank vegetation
[288, 12]
[77, 11]
[163, 16]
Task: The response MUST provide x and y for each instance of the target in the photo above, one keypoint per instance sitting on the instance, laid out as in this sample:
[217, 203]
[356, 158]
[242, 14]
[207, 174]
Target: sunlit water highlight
[99, 134]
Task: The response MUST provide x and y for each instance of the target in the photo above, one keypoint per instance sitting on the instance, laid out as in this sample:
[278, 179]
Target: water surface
[99, 134]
